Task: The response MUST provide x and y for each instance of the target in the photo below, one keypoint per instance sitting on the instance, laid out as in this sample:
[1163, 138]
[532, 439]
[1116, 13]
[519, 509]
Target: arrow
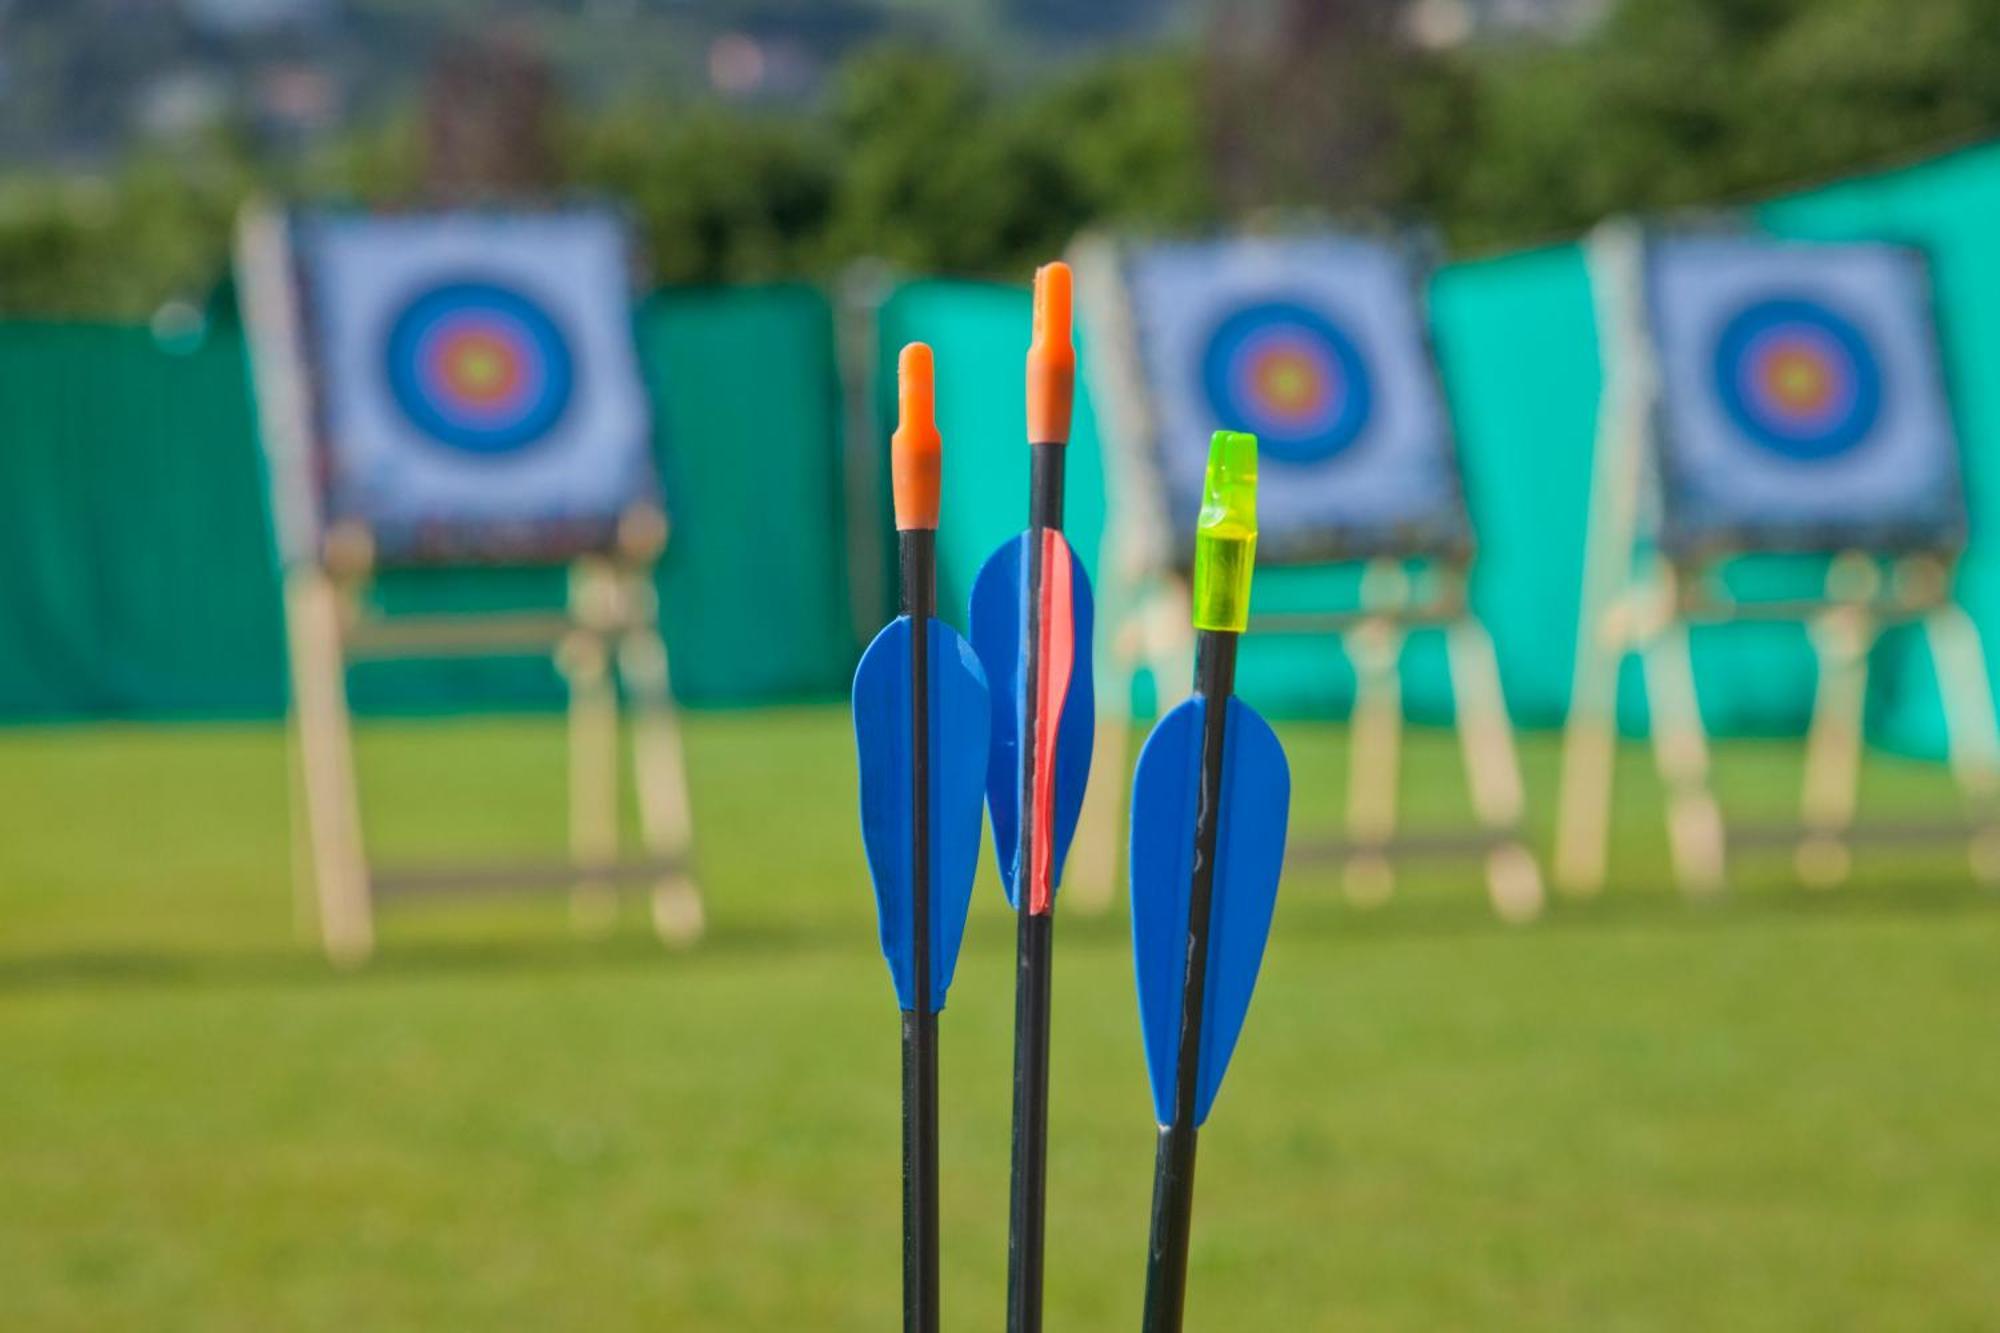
[921, 723]
[1031, 624]
[1209, 802]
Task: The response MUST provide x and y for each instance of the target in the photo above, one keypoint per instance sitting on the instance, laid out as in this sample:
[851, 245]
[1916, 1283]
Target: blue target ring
[1797, 379]
[1289, 376]
[479, 367]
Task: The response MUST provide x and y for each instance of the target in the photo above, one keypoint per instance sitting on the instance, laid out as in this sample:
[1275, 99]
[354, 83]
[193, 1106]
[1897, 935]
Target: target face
[1287, 375]
[1316, 344]
[1797, 378]
[477, 380]
[478, 367]
[1801, 396]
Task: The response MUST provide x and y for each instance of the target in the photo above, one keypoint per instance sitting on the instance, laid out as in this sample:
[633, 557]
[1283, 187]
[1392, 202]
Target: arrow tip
[914, 448]
[1225, 539]
[1051, 357]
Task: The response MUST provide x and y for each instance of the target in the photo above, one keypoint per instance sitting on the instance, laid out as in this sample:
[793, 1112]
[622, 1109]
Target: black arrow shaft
[920, 1173]
[1035, 938]
[1173, 1167]
[916, 551]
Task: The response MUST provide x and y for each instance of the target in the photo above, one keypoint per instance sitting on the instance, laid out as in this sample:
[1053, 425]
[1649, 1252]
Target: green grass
[1780, 1111]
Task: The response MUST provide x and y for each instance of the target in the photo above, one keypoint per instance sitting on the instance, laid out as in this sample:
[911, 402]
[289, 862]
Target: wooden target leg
[1841, 640]
[326, 770]
[1971, 735]
[666, 822]
[1611, 537]
[1680, 749]
[593, 776]
[1092, 876]
[1154, 635]
[1589, 761]
[1373, 761]
[298, 840]
[1492, 770]
[1093, 863]
[1170, 646]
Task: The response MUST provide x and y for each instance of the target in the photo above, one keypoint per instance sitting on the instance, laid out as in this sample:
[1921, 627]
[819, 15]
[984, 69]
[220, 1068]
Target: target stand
[448, 390]
[1767, 397]
[1315, 343]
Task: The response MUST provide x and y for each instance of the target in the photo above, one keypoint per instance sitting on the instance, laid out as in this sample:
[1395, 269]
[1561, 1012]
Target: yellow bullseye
[1289, 384]
[1798, 380]
[480, 368]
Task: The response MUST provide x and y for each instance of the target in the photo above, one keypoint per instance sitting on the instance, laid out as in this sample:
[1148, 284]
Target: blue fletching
[1250, 850]
[959, 721]
[998, 624]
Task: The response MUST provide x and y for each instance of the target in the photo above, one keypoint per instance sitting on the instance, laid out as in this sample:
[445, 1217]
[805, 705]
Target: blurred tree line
[915, 156]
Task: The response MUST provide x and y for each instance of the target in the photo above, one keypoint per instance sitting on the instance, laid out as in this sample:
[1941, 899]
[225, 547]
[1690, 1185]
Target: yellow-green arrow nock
[1225, 537]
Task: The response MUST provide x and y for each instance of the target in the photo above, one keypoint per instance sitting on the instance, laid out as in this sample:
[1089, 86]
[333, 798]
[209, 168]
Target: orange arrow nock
[913, 449]
[1051, 358]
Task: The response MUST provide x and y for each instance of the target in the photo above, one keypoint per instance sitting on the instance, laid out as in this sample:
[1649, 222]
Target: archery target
[1802, 399]
[479, 367]
[1797, 378]
[1288, 375]
[1317, 346]
[478, 386]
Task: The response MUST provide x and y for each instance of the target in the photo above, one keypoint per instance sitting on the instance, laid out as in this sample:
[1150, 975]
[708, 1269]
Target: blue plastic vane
[999, 624]
[1250, 849]
[959, 719]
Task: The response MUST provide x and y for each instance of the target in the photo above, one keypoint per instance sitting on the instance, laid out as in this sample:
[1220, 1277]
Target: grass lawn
[1779, 1111]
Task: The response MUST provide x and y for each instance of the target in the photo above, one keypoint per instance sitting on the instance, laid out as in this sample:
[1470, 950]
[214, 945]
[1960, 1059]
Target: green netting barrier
[1947, 206]
[136, 576]
[136, 573]
[1519, 355]
[980, 334]
[1518, 349]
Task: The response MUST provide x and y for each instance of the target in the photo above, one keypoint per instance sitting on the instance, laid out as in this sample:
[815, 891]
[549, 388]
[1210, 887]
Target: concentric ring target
[1288, 375]
[1797, 379]
[479, 367]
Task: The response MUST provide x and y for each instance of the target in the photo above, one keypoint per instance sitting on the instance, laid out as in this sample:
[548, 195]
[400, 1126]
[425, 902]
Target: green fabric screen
[1948, 206]
[980, 335]
[136, 573]
[134, 558]
[1517, 345]
[1519, 355]
[135, 568]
